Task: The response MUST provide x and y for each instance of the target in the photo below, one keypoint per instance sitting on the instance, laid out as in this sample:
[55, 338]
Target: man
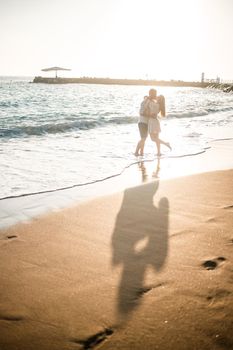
[148, 107]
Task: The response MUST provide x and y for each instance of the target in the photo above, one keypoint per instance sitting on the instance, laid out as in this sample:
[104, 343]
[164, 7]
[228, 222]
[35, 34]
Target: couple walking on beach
[148, 123]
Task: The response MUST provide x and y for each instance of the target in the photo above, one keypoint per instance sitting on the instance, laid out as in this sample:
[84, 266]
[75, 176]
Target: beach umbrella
[54, 69]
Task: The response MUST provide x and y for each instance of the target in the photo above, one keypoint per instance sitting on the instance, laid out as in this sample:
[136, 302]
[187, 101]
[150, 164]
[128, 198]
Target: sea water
[57, 136]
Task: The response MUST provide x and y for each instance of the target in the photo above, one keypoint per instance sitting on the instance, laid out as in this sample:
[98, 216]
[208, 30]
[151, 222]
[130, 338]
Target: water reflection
[144, 171]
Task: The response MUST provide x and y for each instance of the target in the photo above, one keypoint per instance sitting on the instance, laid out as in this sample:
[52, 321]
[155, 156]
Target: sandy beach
[116, 173]
[149, 267]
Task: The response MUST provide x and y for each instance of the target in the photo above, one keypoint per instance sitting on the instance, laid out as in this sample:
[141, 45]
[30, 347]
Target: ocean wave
[199, 113]
[193, 134]
[122, 120]
[8, 104]
[76, 123]
[189, 114]
[55, 128]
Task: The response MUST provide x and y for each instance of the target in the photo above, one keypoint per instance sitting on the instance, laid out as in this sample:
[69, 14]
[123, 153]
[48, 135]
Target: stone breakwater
[109, 81]
[223, 87]
[86, 80]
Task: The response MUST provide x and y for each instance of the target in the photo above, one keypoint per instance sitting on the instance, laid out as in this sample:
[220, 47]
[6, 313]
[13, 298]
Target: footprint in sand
[218, 294]
[11, 236]
[95, 339]
[13, 318]
[214, 263]
[228, 207]
[147, 289]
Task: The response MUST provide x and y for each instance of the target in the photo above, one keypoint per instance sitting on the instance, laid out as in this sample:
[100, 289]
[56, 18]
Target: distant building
[202, 77]
[207, 80]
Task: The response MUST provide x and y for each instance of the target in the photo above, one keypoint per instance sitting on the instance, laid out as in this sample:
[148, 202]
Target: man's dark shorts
[143, 129]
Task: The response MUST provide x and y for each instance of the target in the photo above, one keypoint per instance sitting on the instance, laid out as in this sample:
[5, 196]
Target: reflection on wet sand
[143, 169]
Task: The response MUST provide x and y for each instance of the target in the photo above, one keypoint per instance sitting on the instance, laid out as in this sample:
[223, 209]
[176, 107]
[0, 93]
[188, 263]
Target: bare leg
[165, 143]
[140, 148]
[158, 141]
[155, 138]
[137, 148]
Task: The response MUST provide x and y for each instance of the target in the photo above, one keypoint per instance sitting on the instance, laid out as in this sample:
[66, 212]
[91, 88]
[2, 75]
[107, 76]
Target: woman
[157, 106]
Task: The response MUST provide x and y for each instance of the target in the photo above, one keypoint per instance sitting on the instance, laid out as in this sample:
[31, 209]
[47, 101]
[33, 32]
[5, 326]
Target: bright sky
[166, 39]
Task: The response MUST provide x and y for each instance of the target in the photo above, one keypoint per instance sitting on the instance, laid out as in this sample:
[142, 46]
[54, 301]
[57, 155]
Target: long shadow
[139, 240]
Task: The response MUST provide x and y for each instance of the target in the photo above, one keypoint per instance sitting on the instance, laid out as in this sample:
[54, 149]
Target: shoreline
[28, 207]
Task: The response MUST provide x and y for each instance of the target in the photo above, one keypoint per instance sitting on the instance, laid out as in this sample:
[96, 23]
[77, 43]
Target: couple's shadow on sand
[139, 241]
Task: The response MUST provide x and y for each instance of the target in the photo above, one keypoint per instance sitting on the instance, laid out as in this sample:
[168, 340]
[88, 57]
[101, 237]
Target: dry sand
[148, 268]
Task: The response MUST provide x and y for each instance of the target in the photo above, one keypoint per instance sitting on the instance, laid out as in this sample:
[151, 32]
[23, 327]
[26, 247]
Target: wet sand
[147, 268]
[25, 208]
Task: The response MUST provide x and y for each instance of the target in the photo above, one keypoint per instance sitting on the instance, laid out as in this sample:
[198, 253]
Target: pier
[226, 87]
[110, 81]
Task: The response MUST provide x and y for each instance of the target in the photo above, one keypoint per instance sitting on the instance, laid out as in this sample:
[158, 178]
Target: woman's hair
[161, 102]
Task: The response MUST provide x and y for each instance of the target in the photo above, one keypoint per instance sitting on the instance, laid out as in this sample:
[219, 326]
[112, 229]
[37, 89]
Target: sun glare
[155, 38]
[163, 39]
